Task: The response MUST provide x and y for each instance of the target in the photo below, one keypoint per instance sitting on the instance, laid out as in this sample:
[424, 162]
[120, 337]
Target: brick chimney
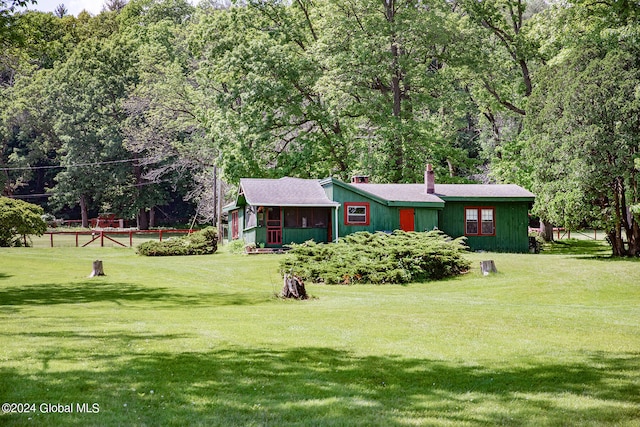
[360, 179]
[430, 180]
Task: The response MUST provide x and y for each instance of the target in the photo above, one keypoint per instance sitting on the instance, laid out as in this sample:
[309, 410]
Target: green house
[276, 212]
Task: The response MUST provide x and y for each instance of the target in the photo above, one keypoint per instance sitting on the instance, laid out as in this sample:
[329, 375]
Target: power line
[34, 196]
[75, 165]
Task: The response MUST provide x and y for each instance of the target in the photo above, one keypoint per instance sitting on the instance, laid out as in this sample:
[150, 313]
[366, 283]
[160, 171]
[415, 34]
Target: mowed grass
[551, 340]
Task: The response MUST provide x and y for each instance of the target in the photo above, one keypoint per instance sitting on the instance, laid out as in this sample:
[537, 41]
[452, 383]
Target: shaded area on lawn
[324, 386]
[89, 292]
[590, 248]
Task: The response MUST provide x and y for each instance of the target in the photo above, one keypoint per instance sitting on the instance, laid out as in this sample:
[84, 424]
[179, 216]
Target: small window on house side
[250, 217]
[487, 222]
[471, 221]
[479, 221]
[356, 213]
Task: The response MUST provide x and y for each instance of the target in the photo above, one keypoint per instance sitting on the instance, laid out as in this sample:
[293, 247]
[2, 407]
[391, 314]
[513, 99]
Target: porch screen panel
[306, 217]
[321, 218]
[291, 217]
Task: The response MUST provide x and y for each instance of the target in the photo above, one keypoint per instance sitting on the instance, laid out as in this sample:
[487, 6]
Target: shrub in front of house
[203, 242]
[398, 257]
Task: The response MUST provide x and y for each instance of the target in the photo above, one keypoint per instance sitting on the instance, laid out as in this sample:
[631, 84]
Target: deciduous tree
[584, 139]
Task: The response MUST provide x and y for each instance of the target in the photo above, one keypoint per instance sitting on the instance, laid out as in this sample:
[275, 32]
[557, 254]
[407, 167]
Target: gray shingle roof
[417, 192]
[482, 190]
[284, 192]
[399, 192]
[308, 192]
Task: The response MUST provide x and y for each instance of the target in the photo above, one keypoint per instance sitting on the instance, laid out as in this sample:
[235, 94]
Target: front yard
[550, 340]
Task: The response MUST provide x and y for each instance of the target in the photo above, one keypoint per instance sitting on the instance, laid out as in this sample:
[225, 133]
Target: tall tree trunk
[634, 239]
[617, 245]
[152, 217]
[6, 191]
[396, 90]
[397, 93]
[84, 211]
[143, 220]
[615, 235]
[546, 231]
[620, 208]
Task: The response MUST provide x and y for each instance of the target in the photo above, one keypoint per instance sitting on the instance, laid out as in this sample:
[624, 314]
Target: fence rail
[584, 234]
[110, 235]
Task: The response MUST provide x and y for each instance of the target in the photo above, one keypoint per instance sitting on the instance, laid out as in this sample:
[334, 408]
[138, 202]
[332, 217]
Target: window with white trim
[479, 221]
[356, 213]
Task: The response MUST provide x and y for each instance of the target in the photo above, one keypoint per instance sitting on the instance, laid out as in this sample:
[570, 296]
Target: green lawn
[551, 340]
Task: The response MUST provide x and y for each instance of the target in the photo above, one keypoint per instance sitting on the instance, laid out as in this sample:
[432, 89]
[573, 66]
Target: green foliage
[236, 246]
[583, 140]
[7, 18]
[399, 257]
[18, 219]
[203, 242]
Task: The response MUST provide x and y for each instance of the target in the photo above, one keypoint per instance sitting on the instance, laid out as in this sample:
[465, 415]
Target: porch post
[336, 223]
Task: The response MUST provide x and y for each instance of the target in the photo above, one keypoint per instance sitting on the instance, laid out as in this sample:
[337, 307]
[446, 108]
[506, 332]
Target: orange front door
[407, 222]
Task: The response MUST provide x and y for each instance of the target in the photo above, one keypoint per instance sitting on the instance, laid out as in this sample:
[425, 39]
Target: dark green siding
[299, 235]
[381, 216]
[511, 219]
[426, 219]
[249, 235]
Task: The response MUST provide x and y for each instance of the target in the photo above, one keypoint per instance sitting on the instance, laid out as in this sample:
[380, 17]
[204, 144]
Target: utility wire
[33, 196]
[109, 162]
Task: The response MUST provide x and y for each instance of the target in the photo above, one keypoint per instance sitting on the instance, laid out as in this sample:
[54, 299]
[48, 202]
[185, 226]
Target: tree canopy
[156, 100]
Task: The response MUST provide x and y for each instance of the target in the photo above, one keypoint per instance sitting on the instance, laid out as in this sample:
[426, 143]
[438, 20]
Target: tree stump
[293, 287]
[98, 270]
[488, 267]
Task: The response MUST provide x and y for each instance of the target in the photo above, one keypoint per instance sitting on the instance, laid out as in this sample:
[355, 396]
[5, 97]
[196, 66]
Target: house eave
[381, 200]
[297, 205]
[434, 205]
[230, 207]
[486, 199]
[342, 184]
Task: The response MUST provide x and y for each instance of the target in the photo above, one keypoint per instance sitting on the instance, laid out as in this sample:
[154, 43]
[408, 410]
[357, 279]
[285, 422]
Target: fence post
[160, 235]
[101, 238]
[130, 238]
[51, 235]
[76, 239]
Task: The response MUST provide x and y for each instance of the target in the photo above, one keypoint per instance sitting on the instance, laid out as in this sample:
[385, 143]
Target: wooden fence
[99, 236]
[586, 234]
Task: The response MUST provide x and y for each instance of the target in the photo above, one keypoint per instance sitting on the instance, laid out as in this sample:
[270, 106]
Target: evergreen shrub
[18, 219]
[201, 242]
[399, 257]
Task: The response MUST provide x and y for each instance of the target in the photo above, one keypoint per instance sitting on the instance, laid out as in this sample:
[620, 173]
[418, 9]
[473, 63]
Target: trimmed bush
[18, 219]
[399, 257]
[203, 242]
